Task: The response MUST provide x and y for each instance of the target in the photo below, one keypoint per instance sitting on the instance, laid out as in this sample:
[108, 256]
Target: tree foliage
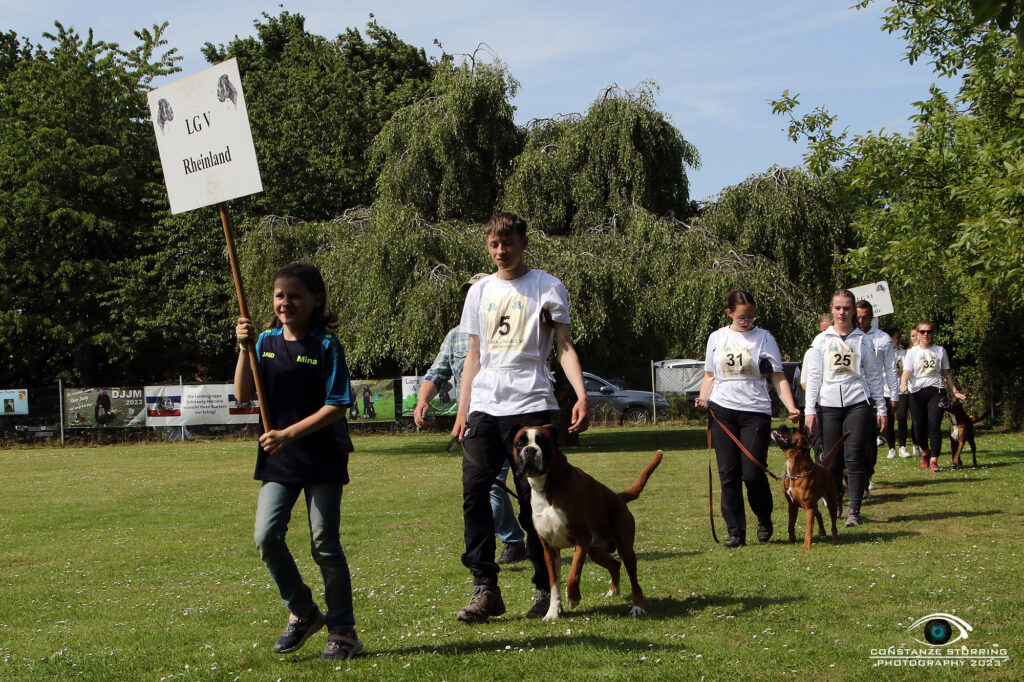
[792, 218]
[577, 172]
[448, 154]
[315, 105]
[79, 160]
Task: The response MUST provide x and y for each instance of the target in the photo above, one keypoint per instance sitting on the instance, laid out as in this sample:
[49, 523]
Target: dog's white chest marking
[551, 524]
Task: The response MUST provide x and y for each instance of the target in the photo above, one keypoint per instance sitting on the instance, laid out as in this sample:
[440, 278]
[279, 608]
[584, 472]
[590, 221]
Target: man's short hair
[864, 305]
[504, 223]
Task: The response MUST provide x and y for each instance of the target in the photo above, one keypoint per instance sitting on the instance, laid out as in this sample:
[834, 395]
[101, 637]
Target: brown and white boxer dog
[570, 508]
[806, 482]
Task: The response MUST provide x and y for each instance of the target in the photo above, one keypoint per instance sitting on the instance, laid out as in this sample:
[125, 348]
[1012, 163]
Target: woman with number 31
[738, 360]
[845, 381]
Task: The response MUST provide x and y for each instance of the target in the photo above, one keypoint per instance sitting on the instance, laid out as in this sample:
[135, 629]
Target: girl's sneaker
[917, 451]
[934, 466]
[924, 462]
[892, 454]
[903, 452]
[342, 647]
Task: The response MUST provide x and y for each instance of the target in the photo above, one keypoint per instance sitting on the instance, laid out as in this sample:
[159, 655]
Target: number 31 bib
[734, 361]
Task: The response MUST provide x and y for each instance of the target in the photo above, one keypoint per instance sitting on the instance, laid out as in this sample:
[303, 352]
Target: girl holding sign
[845, 379]
[738, 359]
[925, 371]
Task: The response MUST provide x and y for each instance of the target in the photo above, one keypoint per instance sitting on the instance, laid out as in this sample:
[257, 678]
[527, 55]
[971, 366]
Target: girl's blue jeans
[323, 504]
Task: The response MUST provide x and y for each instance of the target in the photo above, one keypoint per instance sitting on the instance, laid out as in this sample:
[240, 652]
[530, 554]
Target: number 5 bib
[841, 360]
[505, 320]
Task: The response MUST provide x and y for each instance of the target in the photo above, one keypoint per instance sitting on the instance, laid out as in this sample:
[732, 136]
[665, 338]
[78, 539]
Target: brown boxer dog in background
[805, 482]
[570, 508]
[961, 429]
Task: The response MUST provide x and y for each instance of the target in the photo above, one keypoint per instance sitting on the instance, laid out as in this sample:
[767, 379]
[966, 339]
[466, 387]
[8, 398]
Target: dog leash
[711, 494]
[736, 440]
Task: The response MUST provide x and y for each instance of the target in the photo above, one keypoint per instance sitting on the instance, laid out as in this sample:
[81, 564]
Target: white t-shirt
[842, 372]
[926, 366]
[514, 377]
[735, 358]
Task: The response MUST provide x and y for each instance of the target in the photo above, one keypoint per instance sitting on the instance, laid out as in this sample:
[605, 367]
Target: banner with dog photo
[13, 401]
[106, 408]
[444, 404]
[373, 400]
[198, 404]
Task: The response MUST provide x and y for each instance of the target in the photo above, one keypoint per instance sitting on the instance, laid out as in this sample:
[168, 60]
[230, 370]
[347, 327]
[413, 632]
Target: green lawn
[137, 562]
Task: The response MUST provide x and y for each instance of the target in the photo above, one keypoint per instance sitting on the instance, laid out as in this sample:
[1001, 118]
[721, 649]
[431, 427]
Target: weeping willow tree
[448, 154]
[653, 289]
[579, 171]
[799, 221]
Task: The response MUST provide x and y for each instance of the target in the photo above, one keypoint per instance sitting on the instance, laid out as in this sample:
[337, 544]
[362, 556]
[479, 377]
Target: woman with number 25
[844, 380]
[738, 360]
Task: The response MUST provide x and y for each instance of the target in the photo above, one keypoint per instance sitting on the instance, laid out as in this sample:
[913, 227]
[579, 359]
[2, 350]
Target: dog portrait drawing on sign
[226, 91]
[164, 113]
[572, 509]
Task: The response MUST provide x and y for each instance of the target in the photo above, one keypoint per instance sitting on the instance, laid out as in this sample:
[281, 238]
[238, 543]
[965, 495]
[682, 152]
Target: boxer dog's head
[792, 439]
[532, 449]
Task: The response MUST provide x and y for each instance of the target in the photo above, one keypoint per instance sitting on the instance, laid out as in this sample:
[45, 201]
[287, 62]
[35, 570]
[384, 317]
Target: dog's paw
[572, 603]
[612, 592]
[637, 611]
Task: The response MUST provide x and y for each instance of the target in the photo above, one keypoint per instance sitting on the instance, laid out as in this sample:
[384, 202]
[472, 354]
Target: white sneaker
[892, 454]
[903, 452]
[871, 485]
[879, 441]
[917, 451]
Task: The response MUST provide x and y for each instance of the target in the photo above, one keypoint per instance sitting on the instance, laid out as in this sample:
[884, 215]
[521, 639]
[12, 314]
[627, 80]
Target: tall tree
[448, 154]
[315, 105]
[578, 172]
[78, 159]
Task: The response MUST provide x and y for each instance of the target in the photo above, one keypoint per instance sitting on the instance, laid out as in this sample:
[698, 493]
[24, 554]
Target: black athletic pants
[927, 415]
[486, 444]
[735, 469]
[896, 429]
[859, 420]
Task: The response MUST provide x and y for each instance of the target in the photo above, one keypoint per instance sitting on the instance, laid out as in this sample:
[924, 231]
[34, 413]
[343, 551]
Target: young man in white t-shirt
[512, 318]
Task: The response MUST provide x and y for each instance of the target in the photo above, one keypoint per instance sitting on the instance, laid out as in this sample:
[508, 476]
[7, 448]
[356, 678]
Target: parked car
[632, 407]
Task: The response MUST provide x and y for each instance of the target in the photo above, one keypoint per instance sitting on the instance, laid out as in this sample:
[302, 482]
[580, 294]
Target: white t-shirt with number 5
[514, 376]
[735, 360]
[926, 366]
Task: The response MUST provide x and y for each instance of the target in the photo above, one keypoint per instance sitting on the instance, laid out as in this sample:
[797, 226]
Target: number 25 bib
[841, 360]
[505, 323]
[734, 361]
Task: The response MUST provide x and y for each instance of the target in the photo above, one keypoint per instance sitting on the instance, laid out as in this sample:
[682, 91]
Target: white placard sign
[197, 404]
[202, 129]
[877, 295]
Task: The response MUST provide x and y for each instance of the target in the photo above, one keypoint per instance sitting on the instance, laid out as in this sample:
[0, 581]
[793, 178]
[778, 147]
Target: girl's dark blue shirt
[300, 377]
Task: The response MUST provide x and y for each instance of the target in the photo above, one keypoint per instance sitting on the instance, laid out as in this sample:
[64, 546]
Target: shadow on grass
[882, 498]
[529, 642]
[937, 516]
[934, 480]
[872, 535]
[566, 560]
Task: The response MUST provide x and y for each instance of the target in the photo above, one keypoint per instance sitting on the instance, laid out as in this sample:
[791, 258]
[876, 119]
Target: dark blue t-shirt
[300, 377]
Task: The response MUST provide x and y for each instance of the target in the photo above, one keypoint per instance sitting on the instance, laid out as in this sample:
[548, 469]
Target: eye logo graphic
[939, 629]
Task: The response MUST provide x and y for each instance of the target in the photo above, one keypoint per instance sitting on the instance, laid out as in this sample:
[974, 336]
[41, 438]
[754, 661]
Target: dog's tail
[977, 420]
[827, 459]
[633, 491]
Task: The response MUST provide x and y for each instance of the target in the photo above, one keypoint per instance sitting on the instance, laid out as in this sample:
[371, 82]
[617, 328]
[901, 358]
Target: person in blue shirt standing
[307, 391]
[441, 378]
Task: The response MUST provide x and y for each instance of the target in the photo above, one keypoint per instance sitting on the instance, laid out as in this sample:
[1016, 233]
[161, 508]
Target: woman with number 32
[843, 382]
[738, 360]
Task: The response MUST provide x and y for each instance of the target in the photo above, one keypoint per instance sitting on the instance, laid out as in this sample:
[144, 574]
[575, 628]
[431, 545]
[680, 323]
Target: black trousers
[859, 420]
[735, 470]
[927, 416]
[486, 444]
[896, 428]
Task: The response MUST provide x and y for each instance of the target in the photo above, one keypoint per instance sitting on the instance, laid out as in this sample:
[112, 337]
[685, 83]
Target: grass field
[137, 563]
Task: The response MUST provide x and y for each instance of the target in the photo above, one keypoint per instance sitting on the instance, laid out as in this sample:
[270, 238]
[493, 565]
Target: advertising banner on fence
[373, 400]
[445, 403]
[109, 408]
[202, 131]
[877, 294]
[13, 401]
[197, 404]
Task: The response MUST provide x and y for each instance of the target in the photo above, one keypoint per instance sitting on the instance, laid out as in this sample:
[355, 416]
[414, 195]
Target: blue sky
[717, 63]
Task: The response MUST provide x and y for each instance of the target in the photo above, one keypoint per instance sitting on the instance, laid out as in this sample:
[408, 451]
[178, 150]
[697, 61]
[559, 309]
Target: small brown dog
[570, 508]
[961, 429]
[805, 482]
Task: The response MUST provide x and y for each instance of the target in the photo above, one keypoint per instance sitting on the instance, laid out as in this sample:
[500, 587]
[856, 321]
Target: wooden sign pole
[243, 307]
